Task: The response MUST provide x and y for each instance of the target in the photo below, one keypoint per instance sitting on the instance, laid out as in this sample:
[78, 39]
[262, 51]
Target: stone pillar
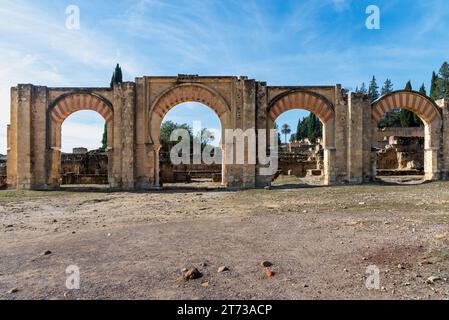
[432, 143]
[262, 122]
[224, 178]
[12, 139]
[357, 106]
[54, 155]
[144, 151]
[157, 179]
[445, 140]
[122, 175]
[22, 127]
[242, 176]
[339, 149]
[39, 136]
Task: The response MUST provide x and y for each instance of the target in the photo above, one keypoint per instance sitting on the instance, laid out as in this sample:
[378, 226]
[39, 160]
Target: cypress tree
[298, 130]
[117, 75]
[104, 141]
[112, 79]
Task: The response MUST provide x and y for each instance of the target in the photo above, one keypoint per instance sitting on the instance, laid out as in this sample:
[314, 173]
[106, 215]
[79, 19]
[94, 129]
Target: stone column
[432, 151]
[263, 123]
[12, 137]
[357, 105]
[156, 149]
[39, 136]
[144, 151]
[340, 163]
[224, 178]
[122, 175]
[23, 142]
[444, 104]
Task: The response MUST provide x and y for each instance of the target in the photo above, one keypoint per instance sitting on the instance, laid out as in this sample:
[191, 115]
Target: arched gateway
[428, 112]
[133, 112]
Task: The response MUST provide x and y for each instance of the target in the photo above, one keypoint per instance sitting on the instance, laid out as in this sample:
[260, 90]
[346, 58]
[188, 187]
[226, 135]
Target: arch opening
[84, 158]
[310, 116]
[300, 148]
[203, 166]
[195, 94]
[406, 129]
[80, 141]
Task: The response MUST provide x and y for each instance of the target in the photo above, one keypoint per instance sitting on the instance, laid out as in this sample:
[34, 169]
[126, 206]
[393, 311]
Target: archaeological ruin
[134, 111]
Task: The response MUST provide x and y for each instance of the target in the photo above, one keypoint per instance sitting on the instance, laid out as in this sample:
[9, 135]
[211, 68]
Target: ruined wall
[134, 113]
[3, 176]
[401, 154]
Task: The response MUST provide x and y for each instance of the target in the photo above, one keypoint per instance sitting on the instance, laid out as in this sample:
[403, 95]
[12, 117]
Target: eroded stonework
[134, 112]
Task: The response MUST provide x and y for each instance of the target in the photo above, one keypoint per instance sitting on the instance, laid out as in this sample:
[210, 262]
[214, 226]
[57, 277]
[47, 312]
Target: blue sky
[282, 42]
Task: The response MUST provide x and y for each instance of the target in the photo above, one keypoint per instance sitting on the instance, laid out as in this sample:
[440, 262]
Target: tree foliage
[387, 87]
[104, 140]
[286, 130]
[373, 90]
[166, 130]
[117, 76]
[310, 128]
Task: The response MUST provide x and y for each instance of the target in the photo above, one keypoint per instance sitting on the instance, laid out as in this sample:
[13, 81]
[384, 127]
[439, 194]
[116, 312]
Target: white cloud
[80, 135]
[37, 48]
[341, 5]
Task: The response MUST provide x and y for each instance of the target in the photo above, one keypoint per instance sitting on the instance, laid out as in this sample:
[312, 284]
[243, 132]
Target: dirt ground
[320, 240]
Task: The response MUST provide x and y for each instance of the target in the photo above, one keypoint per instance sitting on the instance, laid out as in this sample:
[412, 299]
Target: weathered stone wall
[401, 154]
[94, 162]
[3, 176]
[400, 132]
[300, 159]
[134, 112]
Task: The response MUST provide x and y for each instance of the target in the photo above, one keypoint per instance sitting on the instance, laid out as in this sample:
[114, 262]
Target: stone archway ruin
[58, 112]
[175, 96]
[134, 111]
[429, 113]
[322, 108]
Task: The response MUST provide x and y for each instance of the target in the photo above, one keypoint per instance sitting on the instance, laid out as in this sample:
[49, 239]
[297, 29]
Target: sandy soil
[319, 239]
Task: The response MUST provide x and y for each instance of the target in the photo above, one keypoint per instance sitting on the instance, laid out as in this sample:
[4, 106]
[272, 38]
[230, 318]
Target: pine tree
[423, 90]
[443, 82]
[387, 87]
[408, 118]
[408, 86]
[434, 94]
[373, 91]
[363, 88]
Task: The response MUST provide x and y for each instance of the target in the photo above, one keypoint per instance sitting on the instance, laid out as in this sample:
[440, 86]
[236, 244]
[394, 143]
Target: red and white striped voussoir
[78, 102]
[302, 100]
[189, 94]
[411, 101]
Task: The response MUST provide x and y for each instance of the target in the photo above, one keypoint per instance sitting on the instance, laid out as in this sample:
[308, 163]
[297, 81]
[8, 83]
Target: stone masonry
[134, 112]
